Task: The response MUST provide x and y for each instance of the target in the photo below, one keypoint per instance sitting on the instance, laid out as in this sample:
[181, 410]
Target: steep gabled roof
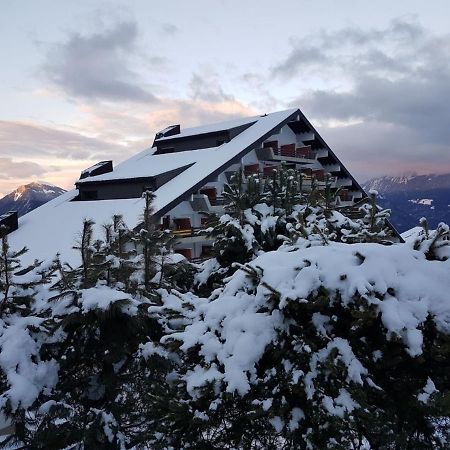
[54, 226]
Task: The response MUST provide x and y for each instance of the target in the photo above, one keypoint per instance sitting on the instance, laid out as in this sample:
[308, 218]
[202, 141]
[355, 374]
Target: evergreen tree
[153, 244]
[111, 389]
[23, 327]
[286, 208]
[373, 225]
[333, 376]
[13, 287]
[262, 214]
[435, 244]
[233, 235]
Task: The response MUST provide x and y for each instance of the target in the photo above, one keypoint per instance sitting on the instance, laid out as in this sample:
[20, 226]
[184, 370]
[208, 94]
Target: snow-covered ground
[422, 201]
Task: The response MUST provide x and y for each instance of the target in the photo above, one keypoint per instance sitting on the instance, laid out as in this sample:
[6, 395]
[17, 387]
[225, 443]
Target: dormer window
[89, 195]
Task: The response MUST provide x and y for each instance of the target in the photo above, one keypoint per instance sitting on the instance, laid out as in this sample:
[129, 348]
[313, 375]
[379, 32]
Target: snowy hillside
[28, 197]
[412, 197]
[410, 183]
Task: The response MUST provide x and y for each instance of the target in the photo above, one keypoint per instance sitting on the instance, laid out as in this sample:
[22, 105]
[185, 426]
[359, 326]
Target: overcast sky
[87, 80]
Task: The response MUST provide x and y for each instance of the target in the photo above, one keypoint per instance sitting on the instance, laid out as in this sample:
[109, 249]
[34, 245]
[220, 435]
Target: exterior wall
[284, 137]
[250, 158]
[200, 141]
[233, 132]
[321, 162]
[192, 142]
[127, 188]
[110, 191]
[184, 209]
[194, 244]
[97, 169]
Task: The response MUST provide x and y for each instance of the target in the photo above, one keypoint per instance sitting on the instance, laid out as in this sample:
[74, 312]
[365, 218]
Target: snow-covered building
[187, 170]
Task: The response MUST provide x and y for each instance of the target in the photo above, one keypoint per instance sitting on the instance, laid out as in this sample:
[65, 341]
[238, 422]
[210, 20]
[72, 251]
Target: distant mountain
[28, 197]
[412, 197]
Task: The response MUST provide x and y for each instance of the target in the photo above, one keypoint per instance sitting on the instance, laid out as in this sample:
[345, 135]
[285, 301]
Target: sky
[91, 80]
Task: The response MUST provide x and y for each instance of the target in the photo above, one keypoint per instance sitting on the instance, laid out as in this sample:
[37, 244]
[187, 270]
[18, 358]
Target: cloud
[10, 169]
[33, 140]
[135, 128]
[195, 113]
[418, 103]
[352, 49]
[301, 56]
[48, 153]
[169, 29]
[14, 172]
[374, 148]
[98, 66]
[208, 88]
[384, 94]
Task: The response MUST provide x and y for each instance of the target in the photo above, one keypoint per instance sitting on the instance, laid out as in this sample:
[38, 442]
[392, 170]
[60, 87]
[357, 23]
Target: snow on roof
[54, 226]
[146, 164]
[213, 127]
[95, 166]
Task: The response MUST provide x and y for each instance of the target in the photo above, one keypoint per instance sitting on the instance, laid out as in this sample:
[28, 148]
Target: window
[89, 195]
[186, 252]
[165, 223]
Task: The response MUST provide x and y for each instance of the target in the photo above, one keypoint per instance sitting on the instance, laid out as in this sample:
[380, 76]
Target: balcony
[290, 152]
[219, 201]
[332, 167]
[188, 254]
[345, 198]
[189, 232]
[343, 182]
[322, 153]
[251, 169]
[307, 136]
[357, 195]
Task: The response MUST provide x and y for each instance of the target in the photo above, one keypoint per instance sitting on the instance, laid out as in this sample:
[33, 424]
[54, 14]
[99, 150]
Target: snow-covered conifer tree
[334, 346]
[108, 386]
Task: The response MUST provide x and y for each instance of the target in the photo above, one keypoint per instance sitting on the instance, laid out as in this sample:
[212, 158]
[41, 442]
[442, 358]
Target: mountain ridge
[408, 183]
[412, 197]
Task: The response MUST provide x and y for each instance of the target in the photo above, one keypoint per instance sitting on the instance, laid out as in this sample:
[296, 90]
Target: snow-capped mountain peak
[29, 196]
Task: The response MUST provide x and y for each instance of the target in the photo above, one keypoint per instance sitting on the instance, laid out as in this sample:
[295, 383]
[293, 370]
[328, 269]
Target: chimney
[169, 131]
[97, 169]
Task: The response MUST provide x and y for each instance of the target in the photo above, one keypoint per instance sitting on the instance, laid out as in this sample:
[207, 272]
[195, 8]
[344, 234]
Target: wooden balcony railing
[290, 151]
[189, 232]
[219, 201]
[345, 195]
